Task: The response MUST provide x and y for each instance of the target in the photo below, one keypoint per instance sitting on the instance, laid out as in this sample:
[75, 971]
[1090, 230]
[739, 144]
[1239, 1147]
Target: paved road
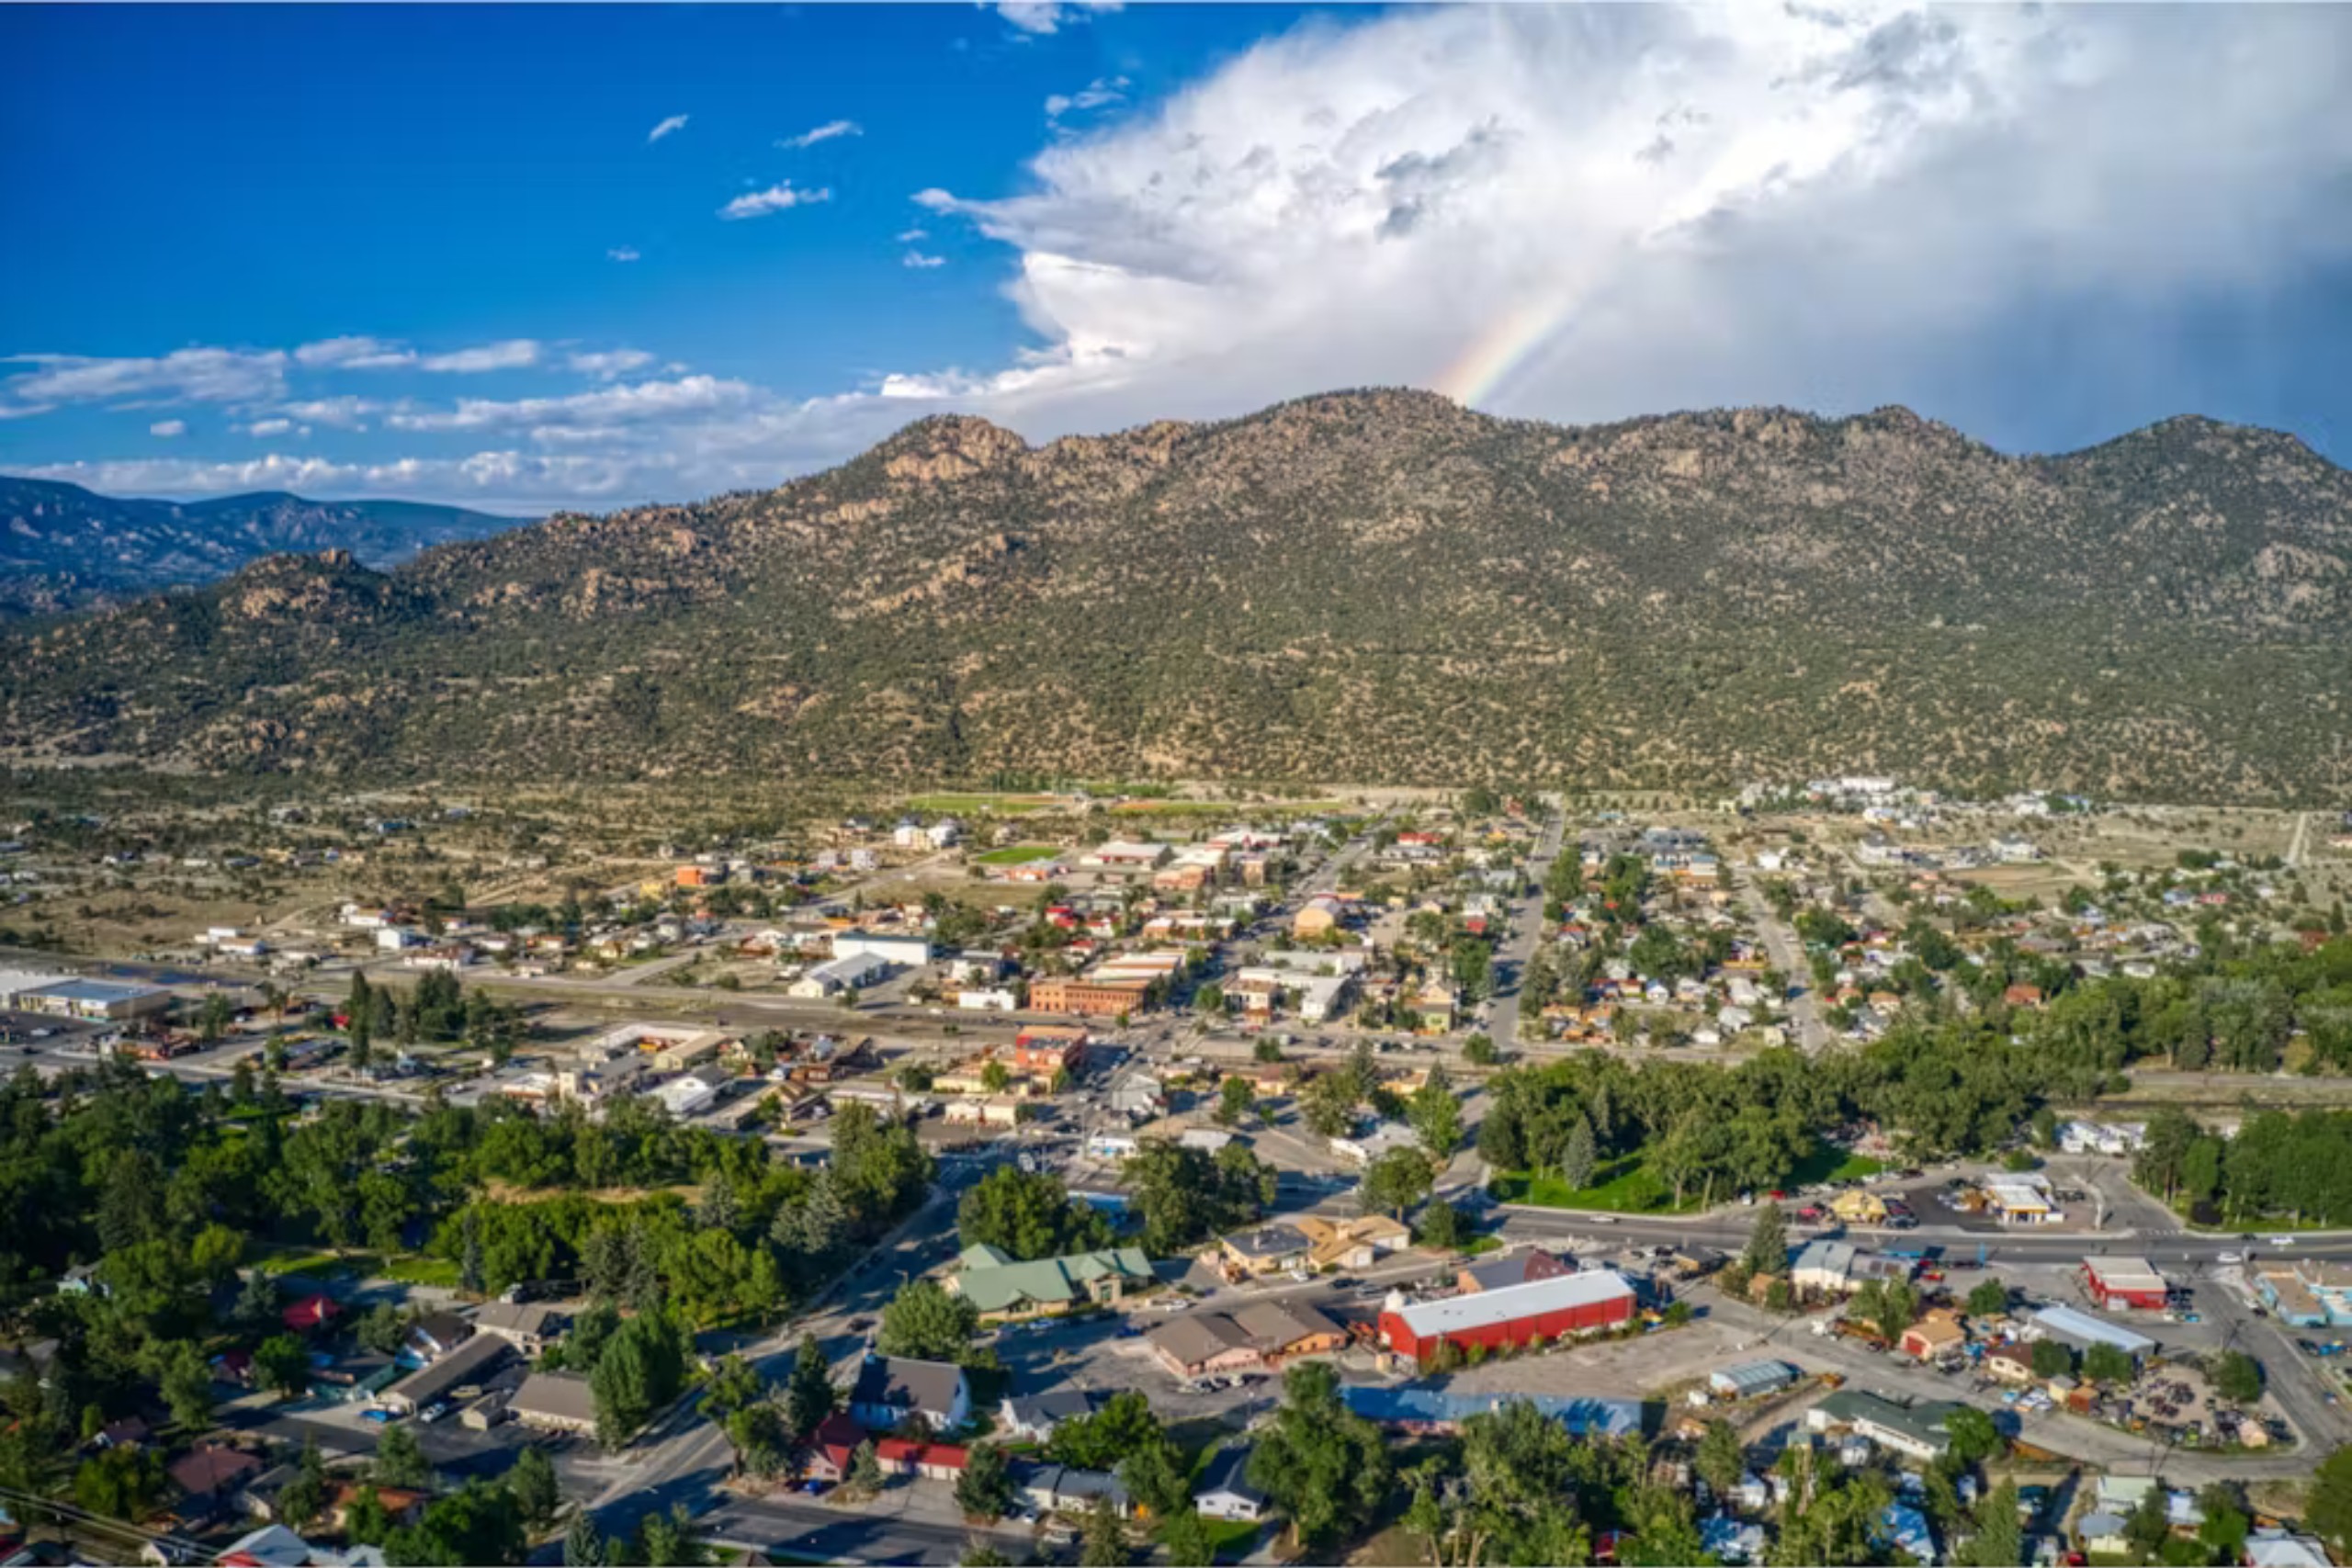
[1526, 929]
[1787, 953]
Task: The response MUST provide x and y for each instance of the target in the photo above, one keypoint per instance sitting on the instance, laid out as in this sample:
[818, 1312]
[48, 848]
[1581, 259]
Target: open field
[1621, 1186]
[1016, 855]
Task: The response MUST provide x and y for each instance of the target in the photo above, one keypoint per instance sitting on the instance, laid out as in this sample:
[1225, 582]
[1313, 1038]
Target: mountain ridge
[64, 548]
[1371, 584]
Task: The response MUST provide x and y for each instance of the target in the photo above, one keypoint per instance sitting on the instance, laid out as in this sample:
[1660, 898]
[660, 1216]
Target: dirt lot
[1621, 1369]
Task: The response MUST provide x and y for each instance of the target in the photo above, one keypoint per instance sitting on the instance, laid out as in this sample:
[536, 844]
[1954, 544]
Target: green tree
[2146, 1527]
[929, 1322]
[2226, 1524]
[1999, 1540]
[186, 1384]
[1104, 1437]
[2237, 1377]
[2107, 1364]
[865, 1477]
[582, 1547]
[1435, 1114]
[2327, 1500]
[304, 1498]
[2051, 1360]
[533, 1483]
[671, 1540]
[1768, 1242]
[1185, 1536]
[1395, 1182]
[1028, 1216]
[1102, 1542]
[1580, 1157]
[1988, 1298]
[1234, 1101]
[1972, 1435]
[400, 1462]
[282, 1364]
[1479, 1051]
[985, 1489]
[122, 1483]
[1157, 1477]
[808, 1394]
[1722, 1459]
[1325, 1466]
[1440, 1227]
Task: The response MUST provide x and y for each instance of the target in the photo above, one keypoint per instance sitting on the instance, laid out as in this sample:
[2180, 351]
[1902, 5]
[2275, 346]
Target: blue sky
[441, 251]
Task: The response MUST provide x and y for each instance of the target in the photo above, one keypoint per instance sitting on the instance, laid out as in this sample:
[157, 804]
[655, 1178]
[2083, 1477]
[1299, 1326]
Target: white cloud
[168, 428]
[1047, 16]
[825, 133]
[606, 408]
[909, 236]
[916, 258]
[264, 428]
[191, 375]
[776, 199]
[353, 354]
[514, 353]
[1101, 93]
[337, 413]
[676, 122]
[610, 363]
[621, 254]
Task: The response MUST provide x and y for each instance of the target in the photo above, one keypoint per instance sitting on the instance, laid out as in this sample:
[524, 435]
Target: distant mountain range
[1354, 587]
[64, 547]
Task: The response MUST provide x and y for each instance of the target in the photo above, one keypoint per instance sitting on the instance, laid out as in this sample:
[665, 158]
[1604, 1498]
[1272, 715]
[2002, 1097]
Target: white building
[899, 950]
[836, 975]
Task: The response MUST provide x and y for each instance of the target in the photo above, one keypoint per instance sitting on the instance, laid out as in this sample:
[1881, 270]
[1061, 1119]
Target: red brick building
[1093, 998]
[1049, 1048]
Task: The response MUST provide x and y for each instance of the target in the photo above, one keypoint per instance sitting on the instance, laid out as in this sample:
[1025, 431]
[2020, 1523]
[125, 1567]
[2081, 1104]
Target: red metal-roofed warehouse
[2124, 1281]
[1568, 1304]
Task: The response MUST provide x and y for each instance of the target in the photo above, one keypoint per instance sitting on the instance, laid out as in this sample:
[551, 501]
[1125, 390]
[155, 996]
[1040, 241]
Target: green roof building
[1003, 1288]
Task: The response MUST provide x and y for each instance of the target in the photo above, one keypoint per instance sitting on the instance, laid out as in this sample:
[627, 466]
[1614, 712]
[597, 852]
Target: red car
[1810, 1213]
[1777, 1196]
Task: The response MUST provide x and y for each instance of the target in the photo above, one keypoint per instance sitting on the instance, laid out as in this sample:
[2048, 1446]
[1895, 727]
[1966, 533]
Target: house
[1914, 1430]
[2008, 1364]
[2102, 1533]
[1137, 1095]
[1267, 1249]
[1937, 1334]
[1858, 1206]
[1034, 1416]
[933, 1461]
[1198, 1344]
[1284, 1330]
[1509, 1268]
[530, 1326]
[1001, 1287]
[1515, 1314]
[832, 1447]
[436, 1333]
[2281, 1548]
[890, 1389]
[214, 1470]
[470, 1362]
[2125, 1281]
[1352, 1244]
[1224, 1490]
[1318, 917]
[1839, 1269]
[272, 1546]
[555, 1402]
[1058, 1489]
[1381, 1138]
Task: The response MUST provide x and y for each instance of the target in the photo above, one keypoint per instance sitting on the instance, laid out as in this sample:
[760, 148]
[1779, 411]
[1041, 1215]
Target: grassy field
[1830, 1163]
[1016, 855]
[1621, 1186]
[976, 803]
[408, 1269]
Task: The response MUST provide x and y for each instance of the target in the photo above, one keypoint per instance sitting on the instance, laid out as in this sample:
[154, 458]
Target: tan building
[1320, 918]
[1093, 998]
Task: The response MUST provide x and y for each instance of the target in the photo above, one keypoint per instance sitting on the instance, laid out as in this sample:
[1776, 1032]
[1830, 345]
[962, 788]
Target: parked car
[434, 1412]
[380, 1417]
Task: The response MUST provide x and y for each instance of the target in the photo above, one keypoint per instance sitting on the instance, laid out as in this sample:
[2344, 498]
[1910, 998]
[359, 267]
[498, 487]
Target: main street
[1526, 931]
[1787, 954]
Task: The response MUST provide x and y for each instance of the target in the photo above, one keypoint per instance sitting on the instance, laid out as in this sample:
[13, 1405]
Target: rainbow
[1506, 344]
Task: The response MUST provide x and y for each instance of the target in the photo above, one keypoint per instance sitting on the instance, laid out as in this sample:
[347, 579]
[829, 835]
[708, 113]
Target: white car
[433, 1412]
[2282, 1241]
[2229, 1257]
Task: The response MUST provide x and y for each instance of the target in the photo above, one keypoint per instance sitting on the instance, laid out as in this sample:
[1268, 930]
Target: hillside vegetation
[1371, 586]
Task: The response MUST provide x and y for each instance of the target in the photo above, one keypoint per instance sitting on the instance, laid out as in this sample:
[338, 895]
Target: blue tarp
[1420, 1405]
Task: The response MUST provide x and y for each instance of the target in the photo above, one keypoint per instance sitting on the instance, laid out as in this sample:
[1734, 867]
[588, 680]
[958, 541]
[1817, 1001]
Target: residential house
[1224, 1490]
[1383, 1137]
[214, 1470]
[1839, 1269]
[1032, 1417]
[1266, 1250]
[530, 1326]
[438, 1381]
[1352, 1244]
[1319, 917]
[933, 1461]
[1519, 1268]
[1139, 1095]
[436, 1333]
[1916, 1431]
[890, 1389]
[1938, 1334]
[1058, 1489]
